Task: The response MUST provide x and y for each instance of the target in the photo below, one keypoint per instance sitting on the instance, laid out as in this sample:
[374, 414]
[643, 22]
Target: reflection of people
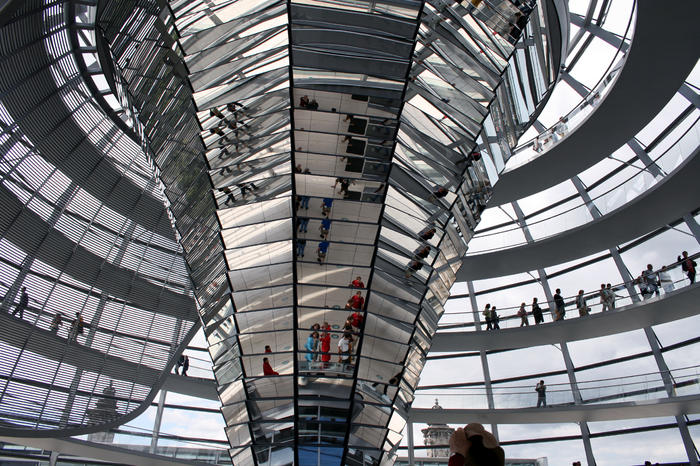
[345, 348]
[301, 244]
[322, 250]
[560, 129]
[475, 446]
[356, 301]
[310, 346]
[326, 344]
[427, 233]
[357, 283]
[267, 368]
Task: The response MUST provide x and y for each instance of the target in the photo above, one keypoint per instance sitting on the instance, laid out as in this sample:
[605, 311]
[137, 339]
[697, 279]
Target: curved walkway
[29, 232]
[42, 115]
[99, 451]
[675, 406]
[674, 196]
[663, 53]
[676, 305]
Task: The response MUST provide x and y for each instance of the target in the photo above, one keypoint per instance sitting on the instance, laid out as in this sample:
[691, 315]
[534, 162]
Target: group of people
[650, 283]
[307, 103]
[317, 347]
[234, 123]
[77, 326]
[244, 188]
[551, 135]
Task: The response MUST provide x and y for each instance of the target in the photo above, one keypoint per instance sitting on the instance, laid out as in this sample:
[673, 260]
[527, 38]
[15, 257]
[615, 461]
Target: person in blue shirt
[326, 206]
[321, 251]
[325, 226]
[311, 345]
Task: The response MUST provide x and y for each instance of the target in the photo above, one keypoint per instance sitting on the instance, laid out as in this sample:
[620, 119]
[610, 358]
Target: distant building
[437, 434]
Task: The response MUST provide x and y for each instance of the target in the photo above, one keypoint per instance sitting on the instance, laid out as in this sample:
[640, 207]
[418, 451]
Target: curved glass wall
[287, 113]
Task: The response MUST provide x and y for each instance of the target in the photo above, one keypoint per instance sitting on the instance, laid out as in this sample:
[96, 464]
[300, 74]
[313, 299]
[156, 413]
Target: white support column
[671, 392]
[660, 363]
[157, 422]
[578, 399]
[482, 356]
[693, 226]
[411, 458]
[593, 209]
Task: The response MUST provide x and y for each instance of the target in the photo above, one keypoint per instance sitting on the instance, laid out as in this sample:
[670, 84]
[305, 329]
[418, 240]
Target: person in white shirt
[666, 280]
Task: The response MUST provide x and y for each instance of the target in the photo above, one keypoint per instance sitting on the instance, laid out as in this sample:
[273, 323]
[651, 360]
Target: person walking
[179, 363]
[537, 312]
[23, 303]
[688, 266]
[487, 316]
[611, 296]
[541, 390]
[322, 250]
[581, 304]
[559, 305]
[522, 313]
[494, 318]
[185, 365]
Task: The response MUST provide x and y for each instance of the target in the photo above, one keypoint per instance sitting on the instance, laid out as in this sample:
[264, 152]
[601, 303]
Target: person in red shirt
[357, 319]
[475, 446]
[326, 347]
[357, 283]
[357, 301]
[267, 368]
